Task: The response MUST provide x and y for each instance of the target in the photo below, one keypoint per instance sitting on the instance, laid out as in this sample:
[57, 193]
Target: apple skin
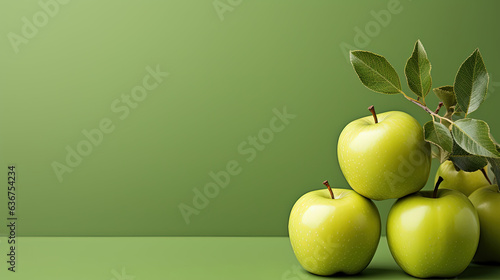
[487, 203]
[329, 236]
[388, 159]
[433, 237]
[464, 182]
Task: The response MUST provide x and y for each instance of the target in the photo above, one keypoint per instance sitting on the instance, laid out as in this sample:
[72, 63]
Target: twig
[425, 108]
[438, 107]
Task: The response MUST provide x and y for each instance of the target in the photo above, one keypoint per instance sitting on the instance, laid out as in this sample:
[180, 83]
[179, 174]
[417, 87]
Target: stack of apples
[430, 233]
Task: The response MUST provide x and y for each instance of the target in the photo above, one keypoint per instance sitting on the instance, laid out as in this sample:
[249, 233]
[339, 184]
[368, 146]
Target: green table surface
[127, 258]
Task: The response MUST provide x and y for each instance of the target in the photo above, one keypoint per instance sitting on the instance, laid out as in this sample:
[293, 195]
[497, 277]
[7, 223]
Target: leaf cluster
[454, 136]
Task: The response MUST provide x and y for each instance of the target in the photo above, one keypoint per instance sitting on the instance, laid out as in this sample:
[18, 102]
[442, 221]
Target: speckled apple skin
[433, 237]
[487, 203]
[334, 235]
[464, 182]
[388, 159]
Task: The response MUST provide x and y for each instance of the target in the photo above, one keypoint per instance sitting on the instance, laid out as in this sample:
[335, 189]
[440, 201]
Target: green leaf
[437, 134]
[458, 114]
[466, 161]
[471, 83]
[496, 142]
[435, 152]
[495, 167]
[447, 95]
[473, 136]
[375, 72]
[440, 154]
[418, 71]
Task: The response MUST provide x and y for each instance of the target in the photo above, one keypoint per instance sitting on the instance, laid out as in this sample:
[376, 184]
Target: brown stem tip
[439, 107]
[329, 188]
[372, 109]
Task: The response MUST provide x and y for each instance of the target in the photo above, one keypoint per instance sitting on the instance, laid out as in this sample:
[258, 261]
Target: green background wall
[226, 76]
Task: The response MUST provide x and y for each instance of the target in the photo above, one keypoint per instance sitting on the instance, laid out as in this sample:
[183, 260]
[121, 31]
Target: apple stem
[486, 175]
[329, 188]
[434, 194]
[372, 109]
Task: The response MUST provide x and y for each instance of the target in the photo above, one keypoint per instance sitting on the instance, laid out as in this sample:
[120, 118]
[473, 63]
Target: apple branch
[425, 108]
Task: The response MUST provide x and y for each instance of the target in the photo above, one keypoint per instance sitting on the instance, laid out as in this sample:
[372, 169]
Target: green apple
[487, 203]
[384, 156]
[433, 233]
[336, 231]
[464, 182]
